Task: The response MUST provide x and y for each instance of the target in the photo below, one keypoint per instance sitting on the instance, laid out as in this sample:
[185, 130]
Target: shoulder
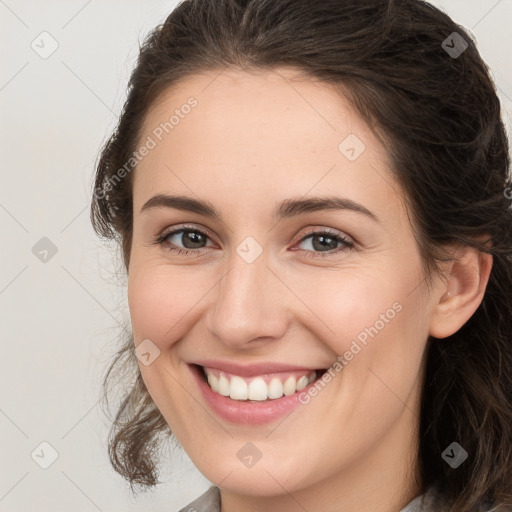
[433, 501]
[209, 501]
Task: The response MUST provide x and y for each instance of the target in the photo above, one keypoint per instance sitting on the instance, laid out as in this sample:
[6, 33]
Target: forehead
[265, 131]
[254, 106]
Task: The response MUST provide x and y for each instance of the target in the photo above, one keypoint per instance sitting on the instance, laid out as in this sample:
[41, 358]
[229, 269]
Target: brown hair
[440, 116]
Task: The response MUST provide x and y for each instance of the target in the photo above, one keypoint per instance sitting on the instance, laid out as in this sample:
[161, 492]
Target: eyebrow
[285, 209]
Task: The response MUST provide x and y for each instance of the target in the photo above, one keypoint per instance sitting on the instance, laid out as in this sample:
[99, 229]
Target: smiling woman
[319, 258]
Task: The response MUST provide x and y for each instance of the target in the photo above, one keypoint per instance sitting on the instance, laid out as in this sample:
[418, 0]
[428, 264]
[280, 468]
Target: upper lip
[251, 370]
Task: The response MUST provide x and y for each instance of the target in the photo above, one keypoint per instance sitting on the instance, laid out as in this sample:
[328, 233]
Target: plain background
[60, 318]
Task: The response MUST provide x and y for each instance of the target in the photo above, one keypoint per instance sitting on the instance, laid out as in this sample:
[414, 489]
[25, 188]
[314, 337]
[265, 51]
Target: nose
[251, 305]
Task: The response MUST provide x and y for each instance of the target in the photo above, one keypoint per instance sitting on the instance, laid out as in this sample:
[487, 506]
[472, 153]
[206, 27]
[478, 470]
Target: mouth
[259, 388]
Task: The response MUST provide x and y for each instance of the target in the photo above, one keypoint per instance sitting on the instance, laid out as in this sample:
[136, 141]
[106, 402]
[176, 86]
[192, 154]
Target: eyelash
[162, 240]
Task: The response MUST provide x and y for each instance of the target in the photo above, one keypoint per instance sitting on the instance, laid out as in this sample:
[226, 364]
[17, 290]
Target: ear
[463, 291]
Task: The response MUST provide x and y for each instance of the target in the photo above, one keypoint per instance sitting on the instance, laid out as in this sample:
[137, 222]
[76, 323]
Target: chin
[264, 478]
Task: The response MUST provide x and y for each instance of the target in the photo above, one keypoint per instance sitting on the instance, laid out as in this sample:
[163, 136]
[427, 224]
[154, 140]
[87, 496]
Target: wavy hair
[440, 117]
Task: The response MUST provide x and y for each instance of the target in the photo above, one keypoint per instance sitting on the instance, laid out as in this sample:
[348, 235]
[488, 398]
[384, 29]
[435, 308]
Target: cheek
[370, 321]
[161, 302]
[346, 304]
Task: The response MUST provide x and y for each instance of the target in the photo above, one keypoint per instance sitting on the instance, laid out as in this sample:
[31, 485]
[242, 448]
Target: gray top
[210, 502]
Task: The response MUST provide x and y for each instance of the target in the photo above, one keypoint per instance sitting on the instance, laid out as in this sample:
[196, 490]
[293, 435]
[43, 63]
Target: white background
[59, 320]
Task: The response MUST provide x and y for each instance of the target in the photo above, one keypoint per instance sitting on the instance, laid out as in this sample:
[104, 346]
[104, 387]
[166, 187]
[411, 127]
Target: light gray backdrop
[63, 73]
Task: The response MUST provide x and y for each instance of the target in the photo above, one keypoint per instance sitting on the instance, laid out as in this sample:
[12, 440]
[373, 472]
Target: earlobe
[462, 293]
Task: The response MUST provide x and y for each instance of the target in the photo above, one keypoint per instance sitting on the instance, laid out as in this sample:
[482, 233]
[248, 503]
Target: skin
[255, 139]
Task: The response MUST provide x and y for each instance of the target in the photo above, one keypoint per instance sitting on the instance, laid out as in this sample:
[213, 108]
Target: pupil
[193, 238]
[323, 238]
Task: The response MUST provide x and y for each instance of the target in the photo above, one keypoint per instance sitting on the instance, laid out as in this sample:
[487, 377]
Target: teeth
[258, 390]
[290, 386]
[238, 388]
[223, 386]
[302, 383]
[213, 381]
[275, 388]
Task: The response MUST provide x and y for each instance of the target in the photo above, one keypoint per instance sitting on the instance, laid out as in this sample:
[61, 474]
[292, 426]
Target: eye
[192, 239]
[323, 243]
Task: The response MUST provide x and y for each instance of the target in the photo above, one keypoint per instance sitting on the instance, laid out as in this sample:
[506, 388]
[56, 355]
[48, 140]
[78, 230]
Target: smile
[259, 388]
[254, 394]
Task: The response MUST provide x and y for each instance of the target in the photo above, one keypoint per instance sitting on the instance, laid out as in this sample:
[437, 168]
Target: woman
[311, 199]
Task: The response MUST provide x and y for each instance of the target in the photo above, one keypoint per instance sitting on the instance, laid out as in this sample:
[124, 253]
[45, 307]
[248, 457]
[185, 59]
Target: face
[261, 291]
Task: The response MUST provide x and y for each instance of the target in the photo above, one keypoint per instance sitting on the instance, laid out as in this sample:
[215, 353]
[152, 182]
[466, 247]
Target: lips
[251, 370]
[241, 409]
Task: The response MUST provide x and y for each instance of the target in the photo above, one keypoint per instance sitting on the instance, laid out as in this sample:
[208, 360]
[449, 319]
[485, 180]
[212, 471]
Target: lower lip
[241, 411]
